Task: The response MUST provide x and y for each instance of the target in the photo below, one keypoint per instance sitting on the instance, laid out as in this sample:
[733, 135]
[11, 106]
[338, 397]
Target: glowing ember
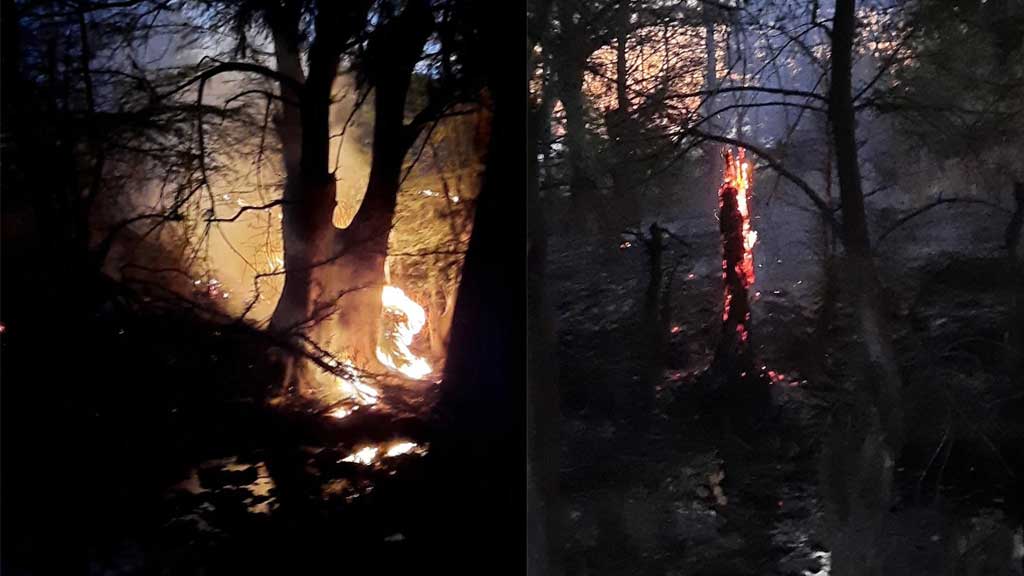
[340, 412]
[368, 455]
[401, 334]
[400, 448]
[351, 386]
[365, 455]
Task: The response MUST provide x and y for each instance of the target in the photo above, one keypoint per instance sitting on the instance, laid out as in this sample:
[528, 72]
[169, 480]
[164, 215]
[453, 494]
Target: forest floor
[151, 447]
[687, 496]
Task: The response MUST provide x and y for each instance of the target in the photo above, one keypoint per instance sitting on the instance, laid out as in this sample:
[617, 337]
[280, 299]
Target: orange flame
[737, 175]
[402, 359]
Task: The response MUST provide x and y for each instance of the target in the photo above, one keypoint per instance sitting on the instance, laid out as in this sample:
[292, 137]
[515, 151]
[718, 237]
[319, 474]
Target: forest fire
[404, 319]
[737, 177]
[352, 386]
[738, 238]
[371, 454]
[738, 241]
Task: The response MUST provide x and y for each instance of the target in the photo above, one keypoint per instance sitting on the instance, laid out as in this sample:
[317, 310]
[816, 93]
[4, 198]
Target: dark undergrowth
[137, 438]
[676, 489]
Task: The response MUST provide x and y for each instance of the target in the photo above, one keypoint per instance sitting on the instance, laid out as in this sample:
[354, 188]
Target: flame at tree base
[403, 319]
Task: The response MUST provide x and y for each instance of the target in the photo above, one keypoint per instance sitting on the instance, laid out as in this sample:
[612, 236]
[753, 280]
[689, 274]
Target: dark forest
[680, 287]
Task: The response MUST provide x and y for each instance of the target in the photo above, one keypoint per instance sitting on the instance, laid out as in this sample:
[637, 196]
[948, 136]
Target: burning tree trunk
[363, 245]
[333, 278]
[734, 357]
[310, 189]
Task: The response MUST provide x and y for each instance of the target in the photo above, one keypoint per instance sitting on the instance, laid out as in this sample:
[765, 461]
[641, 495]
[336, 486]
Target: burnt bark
[734, 355]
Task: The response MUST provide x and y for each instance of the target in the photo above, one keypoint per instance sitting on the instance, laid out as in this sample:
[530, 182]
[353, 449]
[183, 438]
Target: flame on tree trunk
[333, 278]
[734, 357]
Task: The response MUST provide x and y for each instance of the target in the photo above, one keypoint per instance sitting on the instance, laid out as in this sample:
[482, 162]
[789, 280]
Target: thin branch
[245, 209]
[224, 67]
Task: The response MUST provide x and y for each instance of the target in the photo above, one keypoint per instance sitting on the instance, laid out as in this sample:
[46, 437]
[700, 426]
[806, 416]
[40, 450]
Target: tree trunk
[544, 528]
[545, 111]
[359, 271]
[480, 412]
[333, 277]
[653, 330]
[621, 75]
[621, 130]
[440, 322]
[863, 448]
[734, 357]
[571, 93]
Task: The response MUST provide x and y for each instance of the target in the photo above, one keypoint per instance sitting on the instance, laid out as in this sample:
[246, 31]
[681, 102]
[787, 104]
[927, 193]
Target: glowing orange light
[737, 175]
[402, 359]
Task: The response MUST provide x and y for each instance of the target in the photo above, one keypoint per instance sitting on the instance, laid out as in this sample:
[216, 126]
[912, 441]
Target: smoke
[226, 236]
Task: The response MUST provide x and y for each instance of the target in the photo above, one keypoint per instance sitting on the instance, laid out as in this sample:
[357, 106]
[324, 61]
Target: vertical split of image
[684, 287]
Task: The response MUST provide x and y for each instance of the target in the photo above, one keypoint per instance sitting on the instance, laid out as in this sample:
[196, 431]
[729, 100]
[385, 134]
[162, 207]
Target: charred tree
[732, 377]
[734, 354]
